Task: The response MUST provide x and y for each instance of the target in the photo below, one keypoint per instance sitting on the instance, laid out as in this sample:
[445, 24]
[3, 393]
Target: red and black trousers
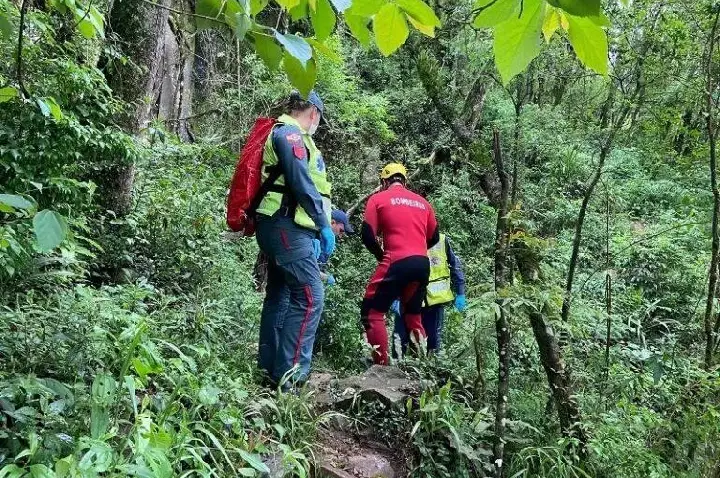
[404, 279]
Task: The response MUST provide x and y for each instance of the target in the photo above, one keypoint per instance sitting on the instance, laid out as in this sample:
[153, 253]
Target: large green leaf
[296, 46]
[517, 40]
[391, 29]
[493, 12]
[366, 8]
[99, 420]
[97, 21]
[254, 460]
[8, 93]
[301, 76]
[420, 11]
[84, 23]
[589, 42]
[257, 6]
[324, 50]
[240, 24]
[49, 107]
[299, 11]
[582, 8]
[230, 9]
[103, 389]
[50, 229]
[55, 110]
[41, 471]
[15, 201]
[421, 27]
[323, 19]
[288, 4]
[359, 28]
[269, 51]
[11, 471]
[551, 24]
[211, 9]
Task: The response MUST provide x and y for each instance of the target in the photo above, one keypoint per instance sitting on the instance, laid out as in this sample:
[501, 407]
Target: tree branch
[19, 60]
[180, 12]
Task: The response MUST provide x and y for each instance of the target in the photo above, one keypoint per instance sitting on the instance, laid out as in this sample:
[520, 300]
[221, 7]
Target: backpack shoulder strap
[274, 172]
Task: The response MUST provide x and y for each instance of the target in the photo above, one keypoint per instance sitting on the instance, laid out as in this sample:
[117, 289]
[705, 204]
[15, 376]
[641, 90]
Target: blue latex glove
[316, 248]
[331, 280]
[327, 240]
[460, 303]
[395, 307]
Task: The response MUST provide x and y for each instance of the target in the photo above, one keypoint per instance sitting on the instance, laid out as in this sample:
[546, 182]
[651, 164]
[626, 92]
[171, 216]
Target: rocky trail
[350, 448]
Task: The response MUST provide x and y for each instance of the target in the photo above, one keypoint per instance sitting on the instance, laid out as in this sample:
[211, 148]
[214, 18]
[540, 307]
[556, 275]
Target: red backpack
[246, 188]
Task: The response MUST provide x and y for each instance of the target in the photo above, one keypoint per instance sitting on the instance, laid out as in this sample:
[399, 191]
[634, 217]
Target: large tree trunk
[157, 81]
[142, 29]
[186, 91]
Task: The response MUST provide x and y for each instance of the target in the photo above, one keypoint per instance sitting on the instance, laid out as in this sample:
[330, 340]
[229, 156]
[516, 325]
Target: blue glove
[331, 280]
[316, 248]
[395, 307]
[460, 303]
[327, 240]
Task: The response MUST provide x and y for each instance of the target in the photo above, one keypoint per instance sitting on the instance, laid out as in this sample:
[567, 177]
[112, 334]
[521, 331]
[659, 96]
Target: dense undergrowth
[129, 350]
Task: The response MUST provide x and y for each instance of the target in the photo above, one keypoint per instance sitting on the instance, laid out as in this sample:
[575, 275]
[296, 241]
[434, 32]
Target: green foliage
[517, 26]
[517, 40]
[390, 28]
[448, 436]
[128, 336]
[557, 460]
[517, 36]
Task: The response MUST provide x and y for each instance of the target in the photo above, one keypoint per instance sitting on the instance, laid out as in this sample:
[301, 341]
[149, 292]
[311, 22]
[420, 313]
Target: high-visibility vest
[272, 201]
[439, 290]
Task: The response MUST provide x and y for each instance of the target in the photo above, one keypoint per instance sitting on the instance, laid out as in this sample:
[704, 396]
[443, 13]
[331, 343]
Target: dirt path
[346, 451]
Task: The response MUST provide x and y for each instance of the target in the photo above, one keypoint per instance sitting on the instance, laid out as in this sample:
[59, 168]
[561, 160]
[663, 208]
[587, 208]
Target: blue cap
[340, 216]
[313, 98]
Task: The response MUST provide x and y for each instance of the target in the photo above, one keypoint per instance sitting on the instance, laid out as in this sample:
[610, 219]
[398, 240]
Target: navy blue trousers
[293, 301]
[433, 318]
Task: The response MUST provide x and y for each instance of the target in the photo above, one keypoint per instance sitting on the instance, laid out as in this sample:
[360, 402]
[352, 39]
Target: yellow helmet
[392, 169]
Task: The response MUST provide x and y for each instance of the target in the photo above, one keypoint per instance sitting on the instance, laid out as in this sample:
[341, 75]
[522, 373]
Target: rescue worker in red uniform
[408, 227]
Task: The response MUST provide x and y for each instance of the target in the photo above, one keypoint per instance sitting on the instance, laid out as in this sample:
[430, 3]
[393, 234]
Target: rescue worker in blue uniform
[446, 284]
[294, 212]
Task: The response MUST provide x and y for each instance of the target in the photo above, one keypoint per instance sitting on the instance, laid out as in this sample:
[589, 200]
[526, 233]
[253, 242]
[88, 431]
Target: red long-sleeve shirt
[405, 220]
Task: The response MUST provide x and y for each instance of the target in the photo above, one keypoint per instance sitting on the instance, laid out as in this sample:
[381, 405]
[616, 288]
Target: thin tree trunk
[710, 330]
[19, 60]
[594, 179]
[565, 314]
[502, 325]
[559, 380]
[479, 385]
[558, 374]
[608, 286]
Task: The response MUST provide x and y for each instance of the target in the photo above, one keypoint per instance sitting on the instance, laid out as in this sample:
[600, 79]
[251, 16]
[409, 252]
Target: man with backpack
[407, 224]
[290, 207]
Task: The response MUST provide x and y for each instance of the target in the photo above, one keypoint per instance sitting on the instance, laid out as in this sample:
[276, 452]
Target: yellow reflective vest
[439, 290]
[272, 201]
